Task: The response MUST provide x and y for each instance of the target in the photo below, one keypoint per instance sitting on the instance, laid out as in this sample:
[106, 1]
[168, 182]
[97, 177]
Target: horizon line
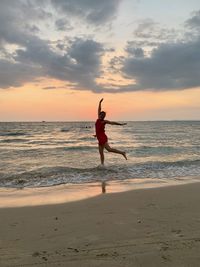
[46, 121]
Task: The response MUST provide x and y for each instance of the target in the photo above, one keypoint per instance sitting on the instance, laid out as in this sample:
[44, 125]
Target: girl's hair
[103, 113]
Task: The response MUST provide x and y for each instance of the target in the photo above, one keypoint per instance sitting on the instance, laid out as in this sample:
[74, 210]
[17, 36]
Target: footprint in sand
[44, 258]
[36, 254]
[166, 258]
[74, 249]
[102, 255]
[176, 231]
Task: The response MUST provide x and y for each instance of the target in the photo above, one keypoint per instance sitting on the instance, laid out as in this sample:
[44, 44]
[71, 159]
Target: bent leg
[109, 149]
[101, 148]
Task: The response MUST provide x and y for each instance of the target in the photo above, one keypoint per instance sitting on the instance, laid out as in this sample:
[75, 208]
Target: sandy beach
[146, 227]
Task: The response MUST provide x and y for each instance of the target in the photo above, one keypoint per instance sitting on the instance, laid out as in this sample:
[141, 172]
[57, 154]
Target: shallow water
[51, 153]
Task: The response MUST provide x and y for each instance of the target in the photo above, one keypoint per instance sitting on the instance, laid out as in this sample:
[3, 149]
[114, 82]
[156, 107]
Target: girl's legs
[101, 148]
[109, 149]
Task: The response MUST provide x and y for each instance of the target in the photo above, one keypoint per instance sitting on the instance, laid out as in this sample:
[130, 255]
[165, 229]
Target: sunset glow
[56, 64]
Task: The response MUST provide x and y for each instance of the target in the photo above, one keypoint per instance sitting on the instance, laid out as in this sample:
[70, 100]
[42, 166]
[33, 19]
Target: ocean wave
[50, 142]
[14, 140]
[166, 154]
[87, 138]
[50, 176]
[12, 133]
[65, 129]
[147, 151]
[77, 128]
[181, 163]
[76, 148]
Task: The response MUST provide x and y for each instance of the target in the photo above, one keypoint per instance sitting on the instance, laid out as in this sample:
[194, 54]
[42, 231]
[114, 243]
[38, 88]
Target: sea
[43, 154]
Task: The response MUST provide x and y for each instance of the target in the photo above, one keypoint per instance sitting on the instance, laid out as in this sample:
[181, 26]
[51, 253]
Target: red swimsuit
[100, 131]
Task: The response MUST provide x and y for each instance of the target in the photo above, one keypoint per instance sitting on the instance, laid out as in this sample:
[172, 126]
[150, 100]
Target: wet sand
[146, 227]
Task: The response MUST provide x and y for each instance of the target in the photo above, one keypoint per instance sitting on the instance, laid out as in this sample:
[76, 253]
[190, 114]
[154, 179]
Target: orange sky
[31, 103]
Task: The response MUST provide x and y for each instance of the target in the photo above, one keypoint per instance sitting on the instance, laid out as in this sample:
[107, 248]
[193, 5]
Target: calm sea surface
[51, 153]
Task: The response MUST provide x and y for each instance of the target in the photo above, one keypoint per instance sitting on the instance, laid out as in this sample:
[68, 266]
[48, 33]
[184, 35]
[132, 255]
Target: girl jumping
[101, 136]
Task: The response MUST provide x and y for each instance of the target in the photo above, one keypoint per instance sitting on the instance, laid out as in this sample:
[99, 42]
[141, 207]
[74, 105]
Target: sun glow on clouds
[58, 58]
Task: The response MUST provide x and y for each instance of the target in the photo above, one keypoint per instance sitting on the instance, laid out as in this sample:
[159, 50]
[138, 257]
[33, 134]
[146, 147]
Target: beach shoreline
[64, 193]
[153, 227]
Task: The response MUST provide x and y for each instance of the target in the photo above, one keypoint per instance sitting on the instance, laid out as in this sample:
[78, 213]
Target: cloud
[194, 21]
[170, 66]
[31, 57]
[26, 56]
[146, 28]
[16, 74]
[151, 31]
[53, 87]
[63, 25]
[169, 63]
[18, 19]
[16, 27]
[95, 12]
[135, 51]
[80, 64]
[50, 87]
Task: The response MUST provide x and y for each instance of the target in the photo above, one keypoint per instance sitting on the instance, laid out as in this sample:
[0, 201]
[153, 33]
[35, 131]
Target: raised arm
[99, 107]
[114, 123]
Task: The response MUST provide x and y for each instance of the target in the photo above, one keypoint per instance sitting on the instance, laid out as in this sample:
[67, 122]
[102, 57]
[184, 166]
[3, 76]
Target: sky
[58, 58]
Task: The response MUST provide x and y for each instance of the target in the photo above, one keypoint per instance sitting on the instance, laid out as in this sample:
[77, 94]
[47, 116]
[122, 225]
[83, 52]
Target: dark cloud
[80, 64]
[33, 28]
[63, 25]
[194, 21]
[170, 66]
[116, 63]
[16, 28]
[16, 74]
[49, 87]
[93, 11]
[135, 51]
[170, 63]
[79, 68]
[18, 20]
[150, 30]
[33, 57]
[86, 54]
[52, 87]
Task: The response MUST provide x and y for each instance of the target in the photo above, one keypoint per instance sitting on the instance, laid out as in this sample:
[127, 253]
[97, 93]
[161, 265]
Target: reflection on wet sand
[103, 186]
[12, 197]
